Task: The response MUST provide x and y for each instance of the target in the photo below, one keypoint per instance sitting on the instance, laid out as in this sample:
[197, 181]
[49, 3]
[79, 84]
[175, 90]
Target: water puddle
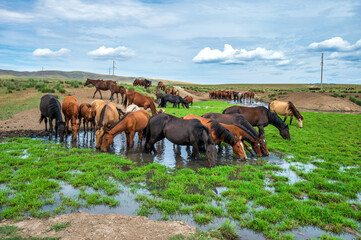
[315, 233]
[250, 104]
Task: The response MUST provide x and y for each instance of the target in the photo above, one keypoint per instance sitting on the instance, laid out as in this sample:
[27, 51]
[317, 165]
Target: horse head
[106, 141]
[300, 121]
[75, 130]
[238, 149]
[285, 133]
[98, 136]
[87, 82]
[263, 146]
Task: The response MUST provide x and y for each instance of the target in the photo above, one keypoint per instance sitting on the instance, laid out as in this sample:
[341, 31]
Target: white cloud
[47, 53]
[46, 33]
[15, 17]
[347, 56]
[335, 44]
[229, 55]
[119, 53]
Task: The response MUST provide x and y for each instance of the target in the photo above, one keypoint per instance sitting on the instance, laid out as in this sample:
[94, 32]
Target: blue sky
[206, 42]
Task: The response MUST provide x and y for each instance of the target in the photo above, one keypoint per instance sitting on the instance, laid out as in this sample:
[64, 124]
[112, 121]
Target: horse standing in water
[220, 134]
[100, 85]
[140, 100]
[50, 108]
[240, 121]
[182, 132]
[130, 123]
[70, 110]
[87, 113]
[286, 109]
[106, 116]
[260, 117]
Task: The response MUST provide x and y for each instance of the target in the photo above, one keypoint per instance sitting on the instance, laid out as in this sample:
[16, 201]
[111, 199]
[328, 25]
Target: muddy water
[250, 104]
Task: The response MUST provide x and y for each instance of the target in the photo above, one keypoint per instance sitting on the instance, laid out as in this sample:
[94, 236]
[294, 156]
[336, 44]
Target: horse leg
[117, 98]
[127, 137]
[111, 97]
[196, 151]
[284, 120]
[131, 138]
[46, 124]
[100, 92]
[50, 125]
[140, 136]
[291, 120]
[262, 134]
[95, 92]
[220, 145]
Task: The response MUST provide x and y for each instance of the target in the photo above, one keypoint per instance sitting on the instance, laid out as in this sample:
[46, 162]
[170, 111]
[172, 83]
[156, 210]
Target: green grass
[8, 232]
[58, 226]
[355, 100]
[324, 198]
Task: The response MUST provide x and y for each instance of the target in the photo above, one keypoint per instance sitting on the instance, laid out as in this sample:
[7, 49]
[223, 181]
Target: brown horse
[174, 91]
[161, 86]
[117, 89]
[286, 109]
[249, 95]
[140, 100]
[87, 113]
[189, 99]
[220, 134]
[100, 85]
[70, 110]
[106, 116]
[130, 123]
[142, 82]
[260, 117]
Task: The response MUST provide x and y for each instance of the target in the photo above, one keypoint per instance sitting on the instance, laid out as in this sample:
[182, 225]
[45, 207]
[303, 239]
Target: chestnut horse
[140, 100]
[189, 99]
[161, 86]
[182, 132]
[50, 108]
[70, 110]
[130, 123]
[100, 85]
[106, 116]
[220, 134]
[87, 113]
[286, 109]
[260, 117]
[240, 121]
[117, 89]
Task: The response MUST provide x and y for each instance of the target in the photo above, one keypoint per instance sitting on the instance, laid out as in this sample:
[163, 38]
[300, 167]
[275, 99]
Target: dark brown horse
[260, 117]
[130, 123]
[50, 108]
[161, 86]
[220, 134]
[87, 113]
[142, 82]
[100, 85]
[70, 110]
[140, 100]
[182, 132]
[240, 121]
[118, 89]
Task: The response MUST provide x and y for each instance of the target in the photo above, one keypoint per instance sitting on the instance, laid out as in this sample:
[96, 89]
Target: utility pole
[321, 69]
[113, 66]
[109, 71]
[42, 73]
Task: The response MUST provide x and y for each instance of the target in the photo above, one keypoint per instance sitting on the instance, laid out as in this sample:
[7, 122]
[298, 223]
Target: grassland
[324, 155]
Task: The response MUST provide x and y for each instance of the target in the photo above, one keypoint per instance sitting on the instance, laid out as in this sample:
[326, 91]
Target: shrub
[343, 95]
[47, 89]
[335, 95]
[355, 100]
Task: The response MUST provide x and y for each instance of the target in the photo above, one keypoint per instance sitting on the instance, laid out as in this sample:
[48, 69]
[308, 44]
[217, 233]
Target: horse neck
[275, 120]
[119, 127]
[294, 111]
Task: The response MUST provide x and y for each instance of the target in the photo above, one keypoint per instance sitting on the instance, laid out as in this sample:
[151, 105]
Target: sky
[208, 42]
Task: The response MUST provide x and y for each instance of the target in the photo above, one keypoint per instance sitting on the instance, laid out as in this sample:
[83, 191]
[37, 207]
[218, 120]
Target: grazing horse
[161, 86]
[175, 99]
[182, 132]
[189, 99]
[140, 100]
[105, 118]
[286, 109]
[142, 82]
[117, 89]
[240, 121]
[50, 108]
[174, 91]
[100, 85]
[159, 96]
[220, 134]
[87, 113]
[260, 117]
[71, 110]
[130, 123]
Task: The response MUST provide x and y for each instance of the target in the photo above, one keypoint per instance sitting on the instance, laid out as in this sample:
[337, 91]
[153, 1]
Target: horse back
[280, 107]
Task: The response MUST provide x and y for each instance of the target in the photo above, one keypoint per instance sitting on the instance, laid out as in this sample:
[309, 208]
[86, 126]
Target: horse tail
[125, 100]
[41, 118]
[54, 108]
[294, 110]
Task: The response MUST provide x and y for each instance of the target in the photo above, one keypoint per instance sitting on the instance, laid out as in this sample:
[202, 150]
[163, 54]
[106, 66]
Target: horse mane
[276, 120]
[121, 119]
[222, 132]
[248, 129]
[88, 105]
[102, 113]
[295, 112]
[54, 108]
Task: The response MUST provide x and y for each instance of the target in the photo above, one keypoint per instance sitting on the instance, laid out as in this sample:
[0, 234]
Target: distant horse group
[142, 82]
[232, 95]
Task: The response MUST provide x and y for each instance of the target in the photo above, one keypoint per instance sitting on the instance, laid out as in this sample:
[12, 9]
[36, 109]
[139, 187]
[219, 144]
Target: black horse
[261, 117]
[239, 121]
[50, 108]
[175, 99]
[179, 131]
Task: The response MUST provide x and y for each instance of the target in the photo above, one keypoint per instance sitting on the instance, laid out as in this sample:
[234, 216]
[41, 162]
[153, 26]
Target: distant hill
[79, 75]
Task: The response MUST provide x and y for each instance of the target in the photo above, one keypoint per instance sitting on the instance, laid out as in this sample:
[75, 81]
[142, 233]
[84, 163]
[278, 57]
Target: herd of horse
[234, 126]
[232, 95]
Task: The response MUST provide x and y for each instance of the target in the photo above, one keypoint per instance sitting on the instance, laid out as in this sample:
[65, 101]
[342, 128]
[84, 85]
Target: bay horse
[260, 117]
[174, 91]
[117, 89]
[50, 108]
[189, 99]
[87, 113]
[249, 95]
[100, 85]
[140, 100]
[70, 108]
[175, 99]
[161, 86]
[286, 109]
[220, 134]
[105, 118]
[130, 123]
[240, 121]
[182, 132]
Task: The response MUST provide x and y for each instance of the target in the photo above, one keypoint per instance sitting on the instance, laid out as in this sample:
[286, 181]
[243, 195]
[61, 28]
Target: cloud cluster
[229, 55]
[119, 53]
[47, 53]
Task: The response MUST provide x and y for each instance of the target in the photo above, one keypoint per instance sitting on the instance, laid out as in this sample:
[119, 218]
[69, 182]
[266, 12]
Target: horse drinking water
[70, 110]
